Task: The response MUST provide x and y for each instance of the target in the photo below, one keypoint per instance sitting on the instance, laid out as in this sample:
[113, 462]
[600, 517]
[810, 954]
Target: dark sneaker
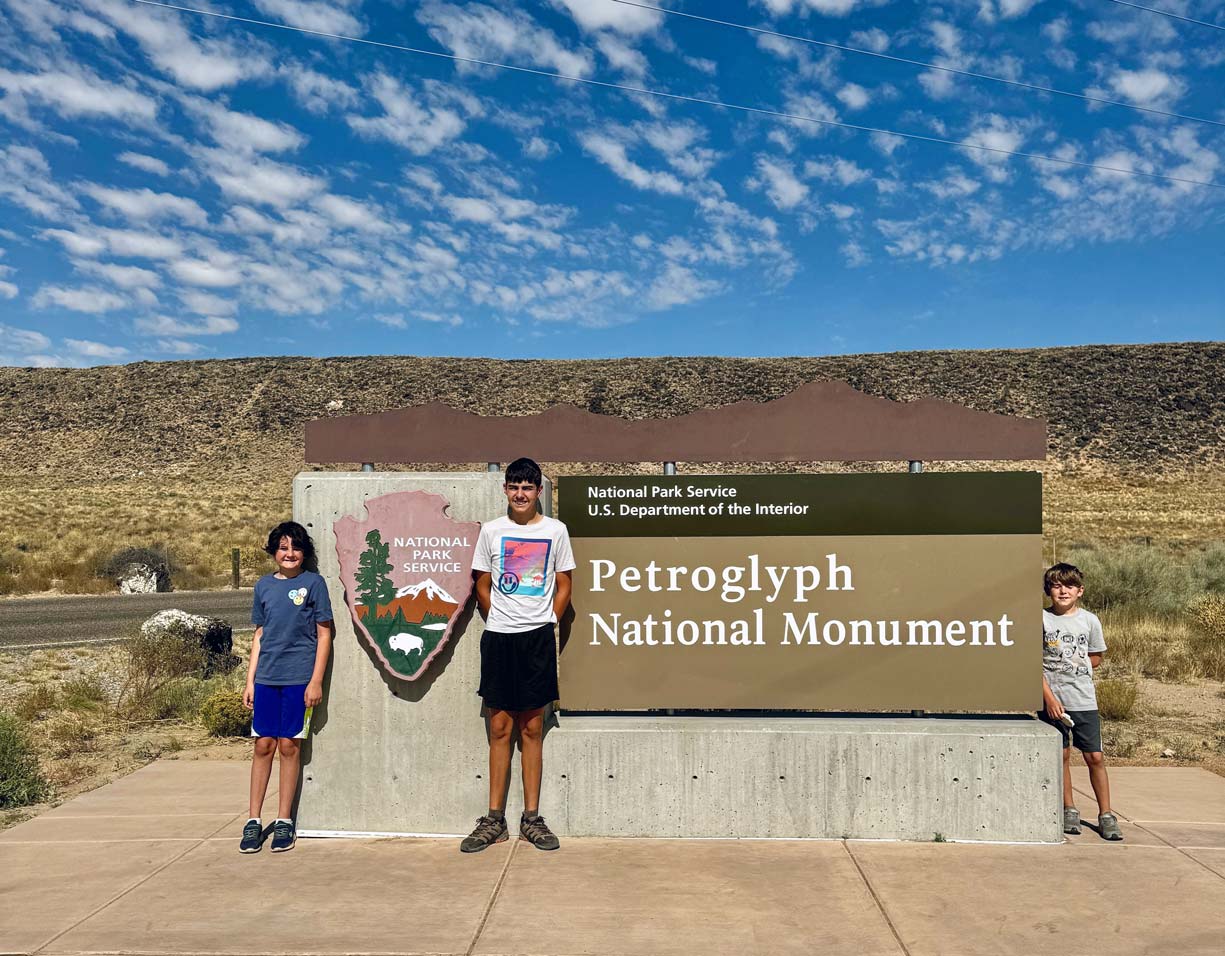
[1108, 827]
[488, 831]
[252, 837]
[1071, 820]
[284, 836]
[537, 834]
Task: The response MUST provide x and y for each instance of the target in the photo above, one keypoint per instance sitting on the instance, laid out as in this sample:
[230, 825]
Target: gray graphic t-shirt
[1067, 642]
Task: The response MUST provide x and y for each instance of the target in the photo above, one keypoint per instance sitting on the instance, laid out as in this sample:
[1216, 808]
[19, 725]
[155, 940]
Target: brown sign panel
[874, 617]
[820, 421]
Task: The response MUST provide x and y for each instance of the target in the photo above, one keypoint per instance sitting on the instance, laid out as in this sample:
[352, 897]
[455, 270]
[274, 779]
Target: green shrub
[175, 700]
[21, 780]
[1207, 570]
[1134, 578]
[83, 693]
[1207, 643]
[35, 702]
[152, 665]
[224, 715]
[70, 733]
[1116, 699]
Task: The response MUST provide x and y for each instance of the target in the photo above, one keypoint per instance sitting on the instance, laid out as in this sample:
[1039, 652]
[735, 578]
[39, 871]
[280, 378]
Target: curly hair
[300, 538]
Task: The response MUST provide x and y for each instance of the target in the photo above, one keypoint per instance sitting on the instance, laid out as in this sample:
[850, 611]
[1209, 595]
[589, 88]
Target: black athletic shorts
[519, 671]
[1086, 735]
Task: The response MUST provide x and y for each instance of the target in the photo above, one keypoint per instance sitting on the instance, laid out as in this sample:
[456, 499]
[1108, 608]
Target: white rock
[335, 405]
[1168, 753]
[142, 579]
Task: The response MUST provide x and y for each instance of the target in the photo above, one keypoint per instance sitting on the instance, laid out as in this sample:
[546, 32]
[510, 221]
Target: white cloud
[80, 95]
[95, 350]
[329, 17]
[391, 321]
[612, 153]
[836, 169]
[439, 318]
[828, 8]
[125, 277]
[1146, 87]
[210, 275]
[854, 97]
[603, 15]
[779, 181]
[178, 347]
[27, 181]
[622, 56]
[141, 205]
[165, 325]
[90, 299]
[409, 121]
[317, 92]
[8, 290]
[259, 179]
[243, 132]
[996, 133]
[678, 285]
[348, 213]
[150, 164]
[537, 147]
[485, 33]
[841, 210]
[205, 303]
[874, 39]
[21, 340]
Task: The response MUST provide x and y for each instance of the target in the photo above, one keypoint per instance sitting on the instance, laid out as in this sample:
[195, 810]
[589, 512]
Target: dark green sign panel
[752, 505]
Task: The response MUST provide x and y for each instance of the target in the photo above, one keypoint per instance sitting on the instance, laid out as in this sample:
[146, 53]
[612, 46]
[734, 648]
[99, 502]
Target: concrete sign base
[390, 756]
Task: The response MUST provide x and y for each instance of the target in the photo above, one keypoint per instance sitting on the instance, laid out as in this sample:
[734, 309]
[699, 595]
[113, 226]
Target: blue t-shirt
[288, 610]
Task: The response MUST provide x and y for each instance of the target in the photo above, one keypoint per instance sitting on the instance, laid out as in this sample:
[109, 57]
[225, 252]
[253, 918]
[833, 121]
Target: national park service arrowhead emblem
[407, 574]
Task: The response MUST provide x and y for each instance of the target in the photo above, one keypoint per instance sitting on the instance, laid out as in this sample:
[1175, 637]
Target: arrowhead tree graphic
[406, 574]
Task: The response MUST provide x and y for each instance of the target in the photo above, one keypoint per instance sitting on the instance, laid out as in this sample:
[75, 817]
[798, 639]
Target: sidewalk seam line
[875, 899]
[1179, 849]
[143, 880]
[493, 898]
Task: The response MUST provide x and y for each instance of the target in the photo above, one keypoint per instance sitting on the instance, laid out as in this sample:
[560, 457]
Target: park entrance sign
[869, 592]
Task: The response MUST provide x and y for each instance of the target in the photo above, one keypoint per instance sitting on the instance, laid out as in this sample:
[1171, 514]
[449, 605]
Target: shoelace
[252, 830]
[536, 828]
[487, 827]
[282, 829]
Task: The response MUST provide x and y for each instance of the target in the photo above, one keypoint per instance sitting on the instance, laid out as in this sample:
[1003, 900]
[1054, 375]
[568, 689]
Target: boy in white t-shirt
[522, 566]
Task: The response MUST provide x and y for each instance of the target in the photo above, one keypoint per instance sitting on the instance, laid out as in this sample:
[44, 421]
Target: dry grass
[1116, 699]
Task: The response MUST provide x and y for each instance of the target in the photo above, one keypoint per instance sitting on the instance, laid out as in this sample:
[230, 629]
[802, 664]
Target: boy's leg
[291, 760]
[531, 740]
[1069, 799]
[1096, 762]
[261, 770]
[501, 727]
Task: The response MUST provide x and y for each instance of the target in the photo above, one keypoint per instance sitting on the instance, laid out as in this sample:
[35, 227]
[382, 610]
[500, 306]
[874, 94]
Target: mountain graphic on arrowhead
[427, 587]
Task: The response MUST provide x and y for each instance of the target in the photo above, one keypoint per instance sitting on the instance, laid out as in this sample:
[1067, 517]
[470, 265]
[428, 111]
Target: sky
[180, 186]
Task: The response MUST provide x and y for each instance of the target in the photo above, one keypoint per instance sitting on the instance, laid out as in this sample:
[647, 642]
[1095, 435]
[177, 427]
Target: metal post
[916, 468]
[234, 562]
[669, 468]
[367, 466]
[493, 467]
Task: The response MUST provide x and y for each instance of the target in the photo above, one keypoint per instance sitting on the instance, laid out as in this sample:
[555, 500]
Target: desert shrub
[21, 780]
[223, 714]
[1207, 643]
[153, 666]
[71, 733]
[1207, 570]
[1116, 699]
[1148, 646]
[1119, 741]
[83, 693]
[1135, 578]
[36, 702]
[175, 700]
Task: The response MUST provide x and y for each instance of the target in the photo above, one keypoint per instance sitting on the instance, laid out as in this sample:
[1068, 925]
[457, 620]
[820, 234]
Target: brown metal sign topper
[820, 421]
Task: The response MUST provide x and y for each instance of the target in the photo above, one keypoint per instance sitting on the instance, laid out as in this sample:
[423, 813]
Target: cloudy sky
[182, 186]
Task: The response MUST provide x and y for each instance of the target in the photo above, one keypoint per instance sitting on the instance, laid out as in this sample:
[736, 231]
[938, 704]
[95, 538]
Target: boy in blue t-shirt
[292, 617]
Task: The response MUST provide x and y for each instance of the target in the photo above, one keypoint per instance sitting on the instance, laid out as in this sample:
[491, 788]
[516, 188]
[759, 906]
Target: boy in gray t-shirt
[1072, 646]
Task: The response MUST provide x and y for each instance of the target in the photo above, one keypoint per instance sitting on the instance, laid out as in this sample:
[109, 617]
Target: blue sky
[179, 186]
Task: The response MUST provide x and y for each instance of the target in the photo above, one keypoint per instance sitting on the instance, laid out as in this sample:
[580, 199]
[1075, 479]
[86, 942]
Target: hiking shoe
[537, 833]
[488, 831]
[284, 836]
[1108, 827]
[1071, 820]
[252, 837]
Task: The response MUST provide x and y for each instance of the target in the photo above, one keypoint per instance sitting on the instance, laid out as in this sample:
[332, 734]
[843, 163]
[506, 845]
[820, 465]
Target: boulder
[138, 578]
[213, 634]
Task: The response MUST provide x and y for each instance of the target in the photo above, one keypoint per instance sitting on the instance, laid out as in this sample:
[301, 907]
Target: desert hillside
[199, 455]
[1153, 408]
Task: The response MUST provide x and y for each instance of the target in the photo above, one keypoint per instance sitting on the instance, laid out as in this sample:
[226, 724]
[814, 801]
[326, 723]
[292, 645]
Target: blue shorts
[280, 711]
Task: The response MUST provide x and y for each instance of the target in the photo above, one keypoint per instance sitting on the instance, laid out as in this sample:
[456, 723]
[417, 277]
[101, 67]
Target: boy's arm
[1054, 709]
[561, 596]
[1096, 659]
[323, 647]
[248, 694]
[484, 584]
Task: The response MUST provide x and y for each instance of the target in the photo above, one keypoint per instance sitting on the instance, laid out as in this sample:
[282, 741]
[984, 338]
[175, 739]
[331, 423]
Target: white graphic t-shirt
[523, 561]
[1067, 642]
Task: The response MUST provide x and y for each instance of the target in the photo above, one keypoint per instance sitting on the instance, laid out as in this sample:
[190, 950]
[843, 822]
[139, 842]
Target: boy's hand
[1054, 709]
[314, 693]
[248, 696]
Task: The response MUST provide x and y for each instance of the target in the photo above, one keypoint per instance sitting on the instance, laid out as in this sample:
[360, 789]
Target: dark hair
[1062, 573]
[524, 469]
[301, 540]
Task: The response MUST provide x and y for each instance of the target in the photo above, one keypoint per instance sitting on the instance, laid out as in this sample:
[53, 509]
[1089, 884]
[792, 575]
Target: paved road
[39, 622]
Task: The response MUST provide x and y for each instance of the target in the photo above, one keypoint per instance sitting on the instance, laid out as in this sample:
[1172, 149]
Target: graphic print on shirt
[1067, 654]
[297, 595]
[525, 562]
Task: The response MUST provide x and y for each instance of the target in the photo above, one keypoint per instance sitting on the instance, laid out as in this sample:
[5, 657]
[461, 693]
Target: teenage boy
[289, 654]
[522, 566]
[1072, 647]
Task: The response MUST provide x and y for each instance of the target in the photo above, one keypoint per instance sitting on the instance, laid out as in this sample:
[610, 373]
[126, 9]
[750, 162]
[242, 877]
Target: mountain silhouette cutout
[416, 601]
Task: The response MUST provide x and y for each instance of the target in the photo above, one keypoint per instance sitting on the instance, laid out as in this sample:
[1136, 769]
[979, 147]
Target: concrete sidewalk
[150, 865]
